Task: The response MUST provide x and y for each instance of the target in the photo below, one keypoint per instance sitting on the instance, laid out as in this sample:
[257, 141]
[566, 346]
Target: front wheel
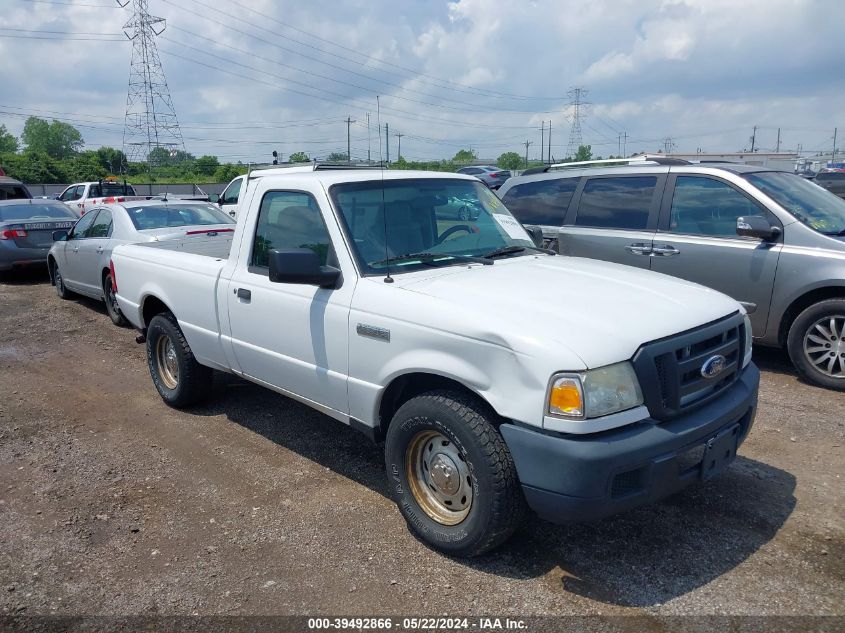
[451, 474]
[180, 380]
[112, 306]
[816, 343]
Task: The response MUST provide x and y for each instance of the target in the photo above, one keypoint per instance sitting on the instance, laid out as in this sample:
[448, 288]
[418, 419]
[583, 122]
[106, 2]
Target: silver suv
[772, 240]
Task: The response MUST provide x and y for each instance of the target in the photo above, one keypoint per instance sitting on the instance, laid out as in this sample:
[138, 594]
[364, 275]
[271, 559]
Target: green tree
[585, 152]
[299, 157]
[337, 157]
[32, 166]
[112, 160]
[465, 156]
[8, 142]
[83, 167]
[509, 160]
[58, 140]
[227, 171]
[206, 165]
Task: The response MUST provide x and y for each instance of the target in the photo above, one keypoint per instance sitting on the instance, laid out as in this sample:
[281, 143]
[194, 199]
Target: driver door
[71, 267]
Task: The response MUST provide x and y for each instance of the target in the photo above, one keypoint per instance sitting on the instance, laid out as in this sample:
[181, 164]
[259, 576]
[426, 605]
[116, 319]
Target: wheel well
[103, 276]
[152, 307]
[408, 386]
[802, 303]
[51, 261]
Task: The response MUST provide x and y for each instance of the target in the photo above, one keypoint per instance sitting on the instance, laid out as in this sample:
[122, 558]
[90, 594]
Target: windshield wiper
[834, 233]
[428, 258]
[509, 250]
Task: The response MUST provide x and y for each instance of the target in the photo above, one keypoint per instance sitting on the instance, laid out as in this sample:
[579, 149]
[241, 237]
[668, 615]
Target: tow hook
[141, 338]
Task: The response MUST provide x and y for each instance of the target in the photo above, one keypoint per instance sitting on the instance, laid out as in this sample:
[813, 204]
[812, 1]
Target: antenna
[388, 279]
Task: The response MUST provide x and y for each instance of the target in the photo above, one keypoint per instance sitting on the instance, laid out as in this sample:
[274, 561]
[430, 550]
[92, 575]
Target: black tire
[112, 308]
[192, 381]
[830, 347]
[59, 282]
[497, 505]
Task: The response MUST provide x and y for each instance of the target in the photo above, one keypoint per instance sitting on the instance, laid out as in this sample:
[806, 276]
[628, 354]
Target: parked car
[833, 181]
[490, 175]
[83, 196]
[11, 189]
[772, 240]
[496, 372]
[228, 200]
[79, 257]
[26, 229]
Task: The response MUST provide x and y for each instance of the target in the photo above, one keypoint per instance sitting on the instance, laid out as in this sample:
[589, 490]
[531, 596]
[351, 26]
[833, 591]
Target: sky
[248, 77]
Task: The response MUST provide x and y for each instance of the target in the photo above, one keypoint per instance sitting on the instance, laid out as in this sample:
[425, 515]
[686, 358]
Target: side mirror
[60, 235]
[755, 226]
[536, 234]
[214, 197]
[301, 266]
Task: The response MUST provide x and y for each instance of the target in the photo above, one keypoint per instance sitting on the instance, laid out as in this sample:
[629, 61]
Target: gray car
[11, 189]
[833, 181]
[26, 229]
[80, 257]
[772, 240]
[490, 175]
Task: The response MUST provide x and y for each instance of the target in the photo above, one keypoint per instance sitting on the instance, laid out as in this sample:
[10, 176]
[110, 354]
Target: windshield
[36, 210]
[444, 220]
[110, 189]
[811, 204]
[161, 216]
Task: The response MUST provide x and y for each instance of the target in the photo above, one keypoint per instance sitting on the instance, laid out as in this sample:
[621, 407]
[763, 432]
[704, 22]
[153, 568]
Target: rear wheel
[59, 282]
[180, 380]
[451, 474]
[112, 306]
[816, 343]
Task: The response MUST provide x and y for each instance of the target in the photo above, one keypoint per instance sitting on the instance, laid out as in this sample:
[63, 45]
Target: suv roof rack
[646, 159]
[314, 166]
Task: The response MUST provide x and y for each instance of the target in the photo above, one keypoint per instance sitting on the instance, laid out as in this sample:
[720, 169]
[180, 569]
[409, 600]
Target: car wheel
[452, 475]
[180, 380]
[59, 282]
[816, 343]
[112, 306]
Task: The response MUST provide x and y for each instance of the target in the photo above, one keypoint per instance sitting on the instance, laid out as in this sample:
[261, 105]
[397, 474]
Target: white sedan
[79, 258]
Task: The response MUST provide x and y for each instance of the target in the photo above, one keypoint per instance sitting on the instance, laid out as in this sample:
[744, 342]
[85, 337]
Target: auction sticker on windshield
[511, 226]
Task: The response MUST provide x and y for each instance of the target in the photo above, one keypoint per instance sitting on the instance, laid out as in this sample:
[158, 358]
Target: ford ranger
[498, 374]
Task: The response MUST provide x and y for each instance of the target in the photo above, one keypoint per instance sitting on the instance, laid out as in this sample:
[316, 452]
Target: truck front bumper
[570, 478]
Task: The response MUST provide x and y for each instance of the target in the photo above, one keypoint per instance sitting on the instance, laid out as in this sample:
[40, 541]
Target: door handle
[638, 248]
[232, 213]
[100, 249]
[75, 249]
[244, 294]
[664, 250]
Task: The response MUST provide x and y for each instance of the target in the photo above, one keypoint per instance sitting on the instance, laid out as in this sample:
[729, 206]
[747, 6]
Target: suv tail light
[11, 234]
[113, 277]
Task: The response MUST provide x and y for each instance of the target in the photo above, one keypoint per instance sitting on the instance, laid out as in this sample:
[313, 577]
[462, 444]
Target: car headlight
[594, 393]
[749, 341]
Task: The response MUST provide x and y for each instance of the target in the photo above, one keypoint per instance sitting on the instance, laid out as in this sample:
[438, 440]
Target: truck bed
[217, 247]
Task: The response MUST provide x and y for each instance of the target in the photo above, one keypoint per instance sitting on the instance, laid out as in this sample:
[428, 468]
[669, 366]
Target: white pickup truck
[498, 374]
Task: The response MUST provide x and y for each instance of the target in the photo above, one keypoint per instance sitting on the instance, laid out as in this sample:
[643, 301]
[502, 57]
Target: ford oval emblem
[713, 366]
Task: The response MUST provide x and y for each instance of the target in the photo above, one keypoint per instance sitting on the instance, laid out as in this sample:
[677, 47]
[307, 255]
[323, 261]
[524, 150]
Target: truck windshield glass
[164, 216]
[814, 206]
[442, 220]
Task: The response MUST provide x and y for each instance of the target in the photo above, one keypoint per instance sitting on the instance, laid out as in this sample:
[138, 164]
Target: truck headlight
[595, 393]
[749, 341]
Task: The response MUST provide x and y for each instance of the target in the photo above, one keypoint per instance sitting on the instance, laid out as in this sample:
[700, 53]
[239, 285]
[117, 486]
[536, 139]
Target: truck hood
[601, 312]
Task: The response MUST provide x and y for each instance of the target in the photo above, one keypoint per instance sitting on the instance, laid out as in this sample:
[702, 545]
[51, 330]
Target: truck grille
[671, 373]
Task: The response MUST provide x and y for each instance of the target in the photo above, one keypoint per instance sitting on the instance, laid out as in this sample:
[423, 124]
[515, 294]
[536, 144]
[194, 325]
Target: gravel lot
[112, 503]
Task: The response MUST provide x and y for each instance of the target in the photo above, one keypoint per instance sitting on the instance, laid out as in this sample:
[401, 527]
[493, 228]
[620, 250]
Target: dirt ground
[112, 503]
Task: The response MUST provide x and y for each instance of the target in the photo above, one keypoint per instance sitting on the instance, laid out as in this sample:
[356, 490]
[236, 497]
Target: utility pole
[753, 139]
[399, 135]
[550, 141]
[542, 139]
[527, 143]
[349, 121]
[777, 147]
[387, 141]
[619, 143]
[624, 144]
[833, 155]
[369, 162]
[668, 145]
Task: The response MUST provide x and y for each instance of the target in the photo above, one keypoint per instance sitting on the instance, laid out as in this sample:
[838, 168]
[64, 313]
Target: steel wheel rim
[168, 363]
[439, 477]
[824, 346]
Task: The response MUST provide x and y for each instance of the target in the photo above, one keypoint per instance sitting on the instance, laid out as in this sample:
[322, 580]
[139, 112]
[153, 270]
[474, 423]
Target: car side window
[289, 219]
[618, 202]
[706, 206]
[230, 196]
[80, 191]
[67, 194]
[80, 229]
[542, 201]
[102, 226]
